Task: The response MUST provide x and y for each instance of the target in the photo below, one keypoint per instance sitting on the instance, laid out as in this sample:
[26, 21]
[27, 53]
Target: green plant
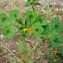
[33, 23]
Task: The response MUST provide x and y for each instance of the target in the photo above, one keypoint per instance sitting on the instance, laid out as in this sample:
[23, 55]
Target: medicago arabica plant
[33, 23]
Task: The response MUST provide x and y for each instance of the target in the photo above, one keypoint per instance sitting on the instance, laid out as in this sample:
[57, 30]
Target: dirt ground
[6, 6]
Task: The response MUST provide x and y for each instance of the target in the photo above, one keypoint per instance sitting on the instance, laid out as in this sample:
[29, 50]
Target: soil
[11, 44]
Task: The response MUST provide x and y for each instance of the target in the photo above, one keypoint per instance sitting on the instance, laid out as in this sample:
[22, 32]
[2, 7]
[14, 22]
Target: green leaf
[47, 30]
[56, 39]
[55, 22]
[37, 29]
[34, 2]
[56, 26]
[21, 47]
[31, 16]
[9, 31]
[19, 20]
[4, 20]
[31, 3]
[14, 15]
[23, 34]
[41, 20]
[13, 62]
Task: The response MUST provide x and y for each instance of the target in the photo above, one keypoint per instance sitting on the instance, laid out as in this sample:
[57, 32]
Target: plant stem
[36, 45]
[49, 10]
[33, 8]
[26, 52]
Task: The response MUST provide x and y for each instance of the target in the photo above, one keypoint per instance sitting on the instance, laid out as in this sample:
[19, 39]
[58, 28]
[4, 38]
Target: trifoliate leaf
[4, 20]
[9, 31]
[56, 39]
[56, 26]
[14, 15]
[42, 20]
[37, 29]
[31, 16]
[21, 47]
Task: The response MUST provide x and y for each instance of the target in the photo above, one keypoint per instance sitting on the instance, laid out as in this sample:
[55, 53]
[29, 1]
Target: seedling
[34, 23]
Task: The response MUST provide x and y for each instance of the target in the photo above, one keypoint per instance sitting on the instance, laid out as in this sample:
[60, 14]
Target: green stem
[49, 10]
[36, 45]
[33, 8]
[26, 52]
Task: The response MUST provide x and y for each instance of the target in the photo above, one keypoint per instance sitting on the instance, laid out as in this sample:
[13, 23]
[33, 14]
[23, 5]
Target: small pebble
[53, 3]
[1, 36]
[61, 4]
[56, 9]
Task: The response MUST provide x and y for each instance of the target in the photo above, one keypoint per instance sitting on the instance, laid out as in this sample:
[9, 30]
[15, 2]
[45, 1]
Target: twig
[30, 42]
[33, 8]
[10, 51]
[36, 45]
[7, 53]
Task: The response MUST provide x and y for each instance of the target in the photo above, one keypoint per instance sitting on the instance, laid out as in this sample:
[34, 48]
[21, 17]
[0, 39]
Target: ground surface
[6, 6]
